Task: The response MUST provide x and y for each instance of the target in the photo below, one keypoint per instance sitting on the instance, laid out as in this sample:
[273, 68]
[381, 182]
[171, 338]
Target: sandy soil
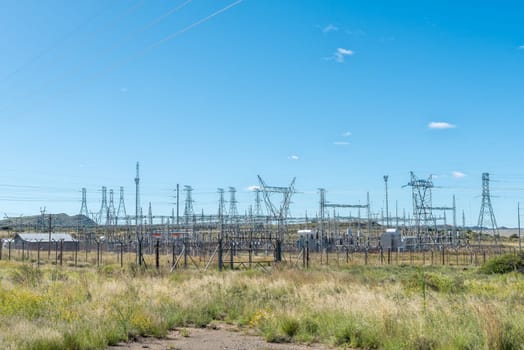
[223, 338]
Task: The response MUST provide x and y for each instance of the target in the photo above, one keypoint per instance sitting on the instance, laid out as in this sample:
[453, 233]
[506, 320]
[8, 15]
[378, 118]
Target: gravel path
[223, 338]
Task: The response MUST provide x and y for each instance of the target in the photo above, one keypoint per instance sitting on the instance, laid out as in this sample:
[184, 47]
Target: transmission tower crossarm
[328, 205]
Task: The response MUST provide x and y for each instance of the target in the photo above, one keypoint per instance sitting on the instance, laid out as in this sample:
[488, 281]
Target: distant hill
[40, 222]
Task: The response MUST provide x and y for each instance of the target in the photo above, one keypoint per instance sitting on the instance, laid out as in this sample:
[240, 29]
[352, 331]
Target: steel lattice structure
[486, 209]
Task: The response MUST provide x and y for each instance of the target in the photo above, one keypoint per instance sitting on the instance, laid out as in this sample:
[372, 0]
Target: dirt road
[211, 339]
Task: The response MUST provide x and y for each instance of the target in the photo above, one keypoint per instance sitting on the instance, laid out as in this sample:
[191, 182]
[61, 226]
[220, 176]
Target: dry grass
[367, 307]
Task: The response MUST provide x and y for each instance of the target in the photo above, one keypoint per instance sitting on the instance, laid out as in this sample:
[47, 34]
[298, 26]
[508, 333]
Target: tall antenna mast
[137, 212]
[387, 201]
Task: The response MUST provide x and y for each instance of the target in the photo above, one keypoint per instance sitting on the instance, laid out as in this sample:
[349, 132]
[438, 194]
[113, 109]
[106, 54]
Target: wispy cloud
[441, 125]
[341, 143]
[341, 53]
[293, 157]
[329, 28]
[521, 47]
[458, 175]
[253, 188]
[347, 134]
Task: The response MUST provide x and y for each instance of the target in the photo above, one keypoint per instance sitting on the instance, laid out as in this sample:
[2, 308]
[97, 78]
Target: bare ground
[223, 338]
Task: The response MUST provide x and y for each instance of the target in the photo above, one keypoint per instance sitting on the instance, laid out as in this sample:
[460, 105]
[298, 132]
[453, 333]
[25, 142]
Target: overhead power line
[53, 46]
[163, 41]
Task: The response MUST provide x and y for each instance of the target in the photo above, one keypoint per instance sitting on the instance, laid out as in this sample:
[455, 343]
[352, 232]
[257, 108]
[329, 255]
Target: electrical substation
[267, 233]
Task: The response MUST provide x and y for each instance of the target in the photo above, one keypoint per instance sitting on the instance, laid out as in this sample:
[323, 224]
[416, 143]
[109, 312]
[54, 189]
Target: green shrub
[26, 275]
[423, 342]
[289, 326]
[503, 264]
[512, 337]
[443, 283]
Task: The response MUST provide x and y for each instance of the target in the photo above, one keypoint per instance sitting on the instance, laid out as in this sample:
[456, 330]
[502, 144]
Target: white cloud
[341, 143]
[253, 188]
[339, 55]
[458, 175]
[441, 125]
[293, 157]
[521, 47]
[329, 28]
[347, 134]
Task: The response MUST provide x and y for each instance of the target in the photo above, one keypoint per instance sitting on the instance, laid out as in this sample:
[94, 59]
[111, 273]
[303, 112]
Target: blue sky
[336, 93]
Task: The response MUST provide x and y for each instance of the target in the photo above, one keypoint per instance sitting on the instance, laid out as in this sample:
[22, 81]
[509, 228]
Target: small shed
[391, 239]
[307, 237]
[34, 241]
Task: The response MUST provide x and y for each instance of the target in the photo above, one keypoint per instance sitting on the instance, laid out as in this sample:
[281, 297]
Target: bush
[289, 326]
[26, 275]
[503, 264]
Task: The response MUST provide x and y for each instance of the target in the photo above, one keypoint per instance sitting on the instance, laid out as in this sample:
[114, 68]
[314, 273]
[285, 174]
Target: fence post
[303, 255]
[307, 254]
[157, 254]
[231, 256]
[38, 254]
[121, 254]
[250, 253]
[278, 251]
[97, 253]
[185, 253]
[61, 252]
[220, 261]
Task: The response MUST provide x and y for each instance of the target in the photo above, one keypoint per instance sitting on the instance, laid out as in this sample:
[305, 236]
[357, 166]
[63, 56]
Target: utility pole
[177, 204]
[42, 211]
[137, 208]
[387, 206]
[49, 245]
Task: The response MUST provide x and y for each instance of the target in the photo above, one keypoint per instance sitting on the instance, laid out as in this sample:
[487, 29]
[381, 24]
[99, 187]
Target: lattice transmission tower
[258, 203]
[188, 208]
[422, 202]
[121, 212]
[282, 211]
[221, 205]
[111, 214]
[83, 207]
[486, 209]
[104, 210]
[233, 211]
